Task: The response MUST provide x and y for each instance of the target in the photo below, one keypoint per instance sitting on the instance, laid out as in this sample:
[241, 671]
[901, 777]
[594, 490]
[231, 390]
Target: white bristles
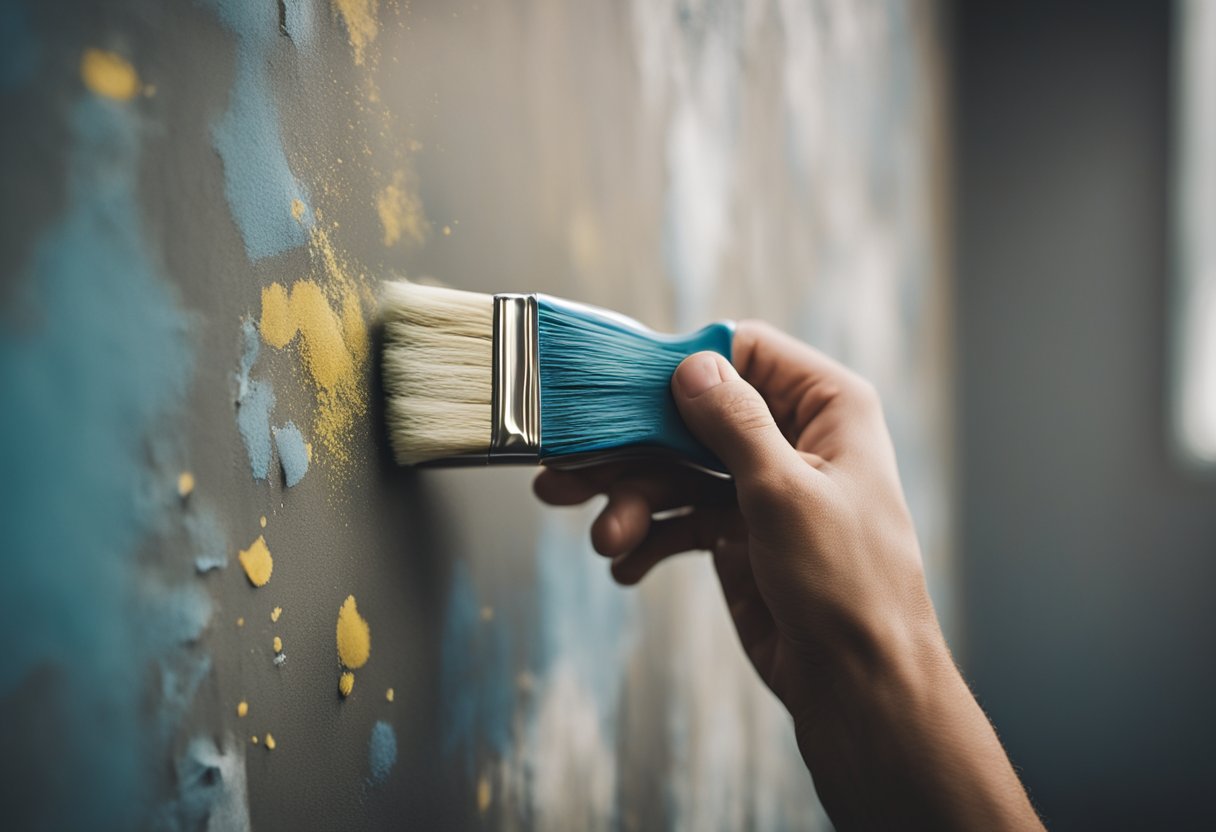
[438, 370]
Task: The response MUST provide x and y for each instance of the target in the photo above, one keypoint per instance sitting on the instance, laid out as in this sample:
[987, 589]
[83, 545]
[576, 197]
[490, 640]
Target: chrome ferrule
[515, 408]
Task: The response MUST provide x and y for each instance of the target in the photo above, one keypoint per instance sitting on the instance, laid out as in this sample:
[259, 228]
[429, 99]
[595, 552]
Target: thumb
[731, 418]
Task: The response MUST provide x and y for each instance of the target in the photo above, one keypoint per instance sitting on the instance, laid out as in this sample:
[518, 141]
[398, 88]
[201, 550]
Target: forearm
[896, 740]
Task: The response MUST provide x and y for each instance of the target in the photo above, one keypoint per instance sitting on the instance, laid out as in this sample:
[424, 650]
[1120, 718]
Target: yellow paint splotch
[242, 709]
[346, 683]
[277, 644]
[361, 24]
[270, 743]
[354, 636]
[185, 484]
[275, 613]
[257, 562]
[484, 794]
[297, 210]
[388, 694]
[262, 521]
[109, 74]
[327, 325]
[400, 211]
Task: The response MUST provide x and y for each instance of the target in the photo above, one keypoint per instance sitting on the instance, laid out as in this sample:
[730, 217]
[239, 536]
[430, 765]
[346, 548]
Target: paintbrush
[524, 378]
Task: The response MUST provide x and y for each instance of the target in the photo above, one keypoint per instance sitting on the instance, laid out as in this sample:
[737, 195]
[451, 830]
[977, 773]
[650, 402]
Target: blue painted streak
[477, 681]
[89, 373]
[258, 182]
[255, 400]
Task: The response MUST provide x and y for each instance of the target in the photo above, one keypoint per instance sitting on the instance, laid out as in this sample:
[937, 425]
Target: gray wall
[1088, 560]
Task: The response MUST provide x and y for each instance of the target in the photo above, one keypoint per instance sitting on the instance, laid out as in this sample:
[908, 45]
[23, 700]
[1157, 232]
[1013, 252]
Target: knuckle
[866, 394]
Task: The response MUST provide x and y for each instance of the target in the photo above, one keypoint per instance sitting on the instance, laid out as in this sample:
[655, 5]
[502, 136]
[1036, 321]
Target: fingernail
[698, 373]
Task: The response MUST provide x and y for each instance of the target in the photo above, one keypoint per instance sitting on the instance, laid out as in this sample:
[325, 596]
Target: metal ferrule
[515, 409]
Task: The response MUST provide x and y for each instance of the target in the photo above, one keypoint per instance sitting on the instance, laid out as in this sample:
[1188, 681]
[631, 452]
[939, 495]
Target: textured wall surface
[199, 200]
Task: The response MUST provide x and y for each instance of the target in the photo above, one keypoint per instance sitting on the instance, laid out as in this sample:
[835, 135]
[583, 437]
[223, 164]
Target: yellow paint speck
[400, 211]
[262, 521]
[278, 644]
[254, 739]
[487, 613]
[388, 694]
[109, 74]
[270, 743]
[185, 484]
[242, 708]
[361, 24]
[354, 636]
[447, 231]
[275, 613]
[346, 683]
[297, 210]
[483, 794]
[257, 562]
[240, 622]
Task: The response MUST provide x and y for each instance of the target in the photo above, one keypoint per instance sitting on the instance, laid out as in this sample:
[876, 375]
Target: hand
[821, 570]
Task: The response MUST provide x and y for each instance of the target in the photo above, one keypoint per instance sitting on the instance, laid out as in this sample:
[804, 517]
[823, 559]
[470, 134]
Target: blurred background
[1003, 214]
[1083, 300]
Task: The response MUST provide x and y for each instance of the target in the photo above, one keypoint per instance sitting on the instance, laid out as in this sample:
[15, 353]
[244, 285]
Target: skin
[823, 578]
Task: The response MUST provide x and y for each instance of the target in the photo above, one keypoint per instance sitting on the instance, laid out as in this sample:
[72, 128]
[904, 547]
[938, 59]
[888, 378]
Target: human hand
[821, 570]
[814, 545]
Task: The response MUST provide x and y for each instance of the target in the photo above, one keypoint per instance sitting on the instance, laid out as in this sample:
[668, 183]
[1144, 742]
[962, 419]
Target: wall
[1087, 555]
[199, 201]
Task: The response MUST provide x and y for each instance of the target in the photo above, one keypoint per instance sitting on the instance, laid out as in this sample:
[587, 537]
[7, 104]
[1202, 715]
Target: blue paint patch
[381, 751]
[91, 373]
[293, 453]
[207, 540]
[19, 48]
[299, 21]
[258, 181]
[477, 684]
[211, 789]
[255, 400]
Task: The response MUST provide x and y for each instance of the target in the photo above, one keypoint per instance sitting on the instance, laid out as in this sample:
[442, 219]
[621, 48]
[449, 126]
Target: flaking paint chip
[275, 613]
[278, 644]
[346, 683]
[270, 743]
